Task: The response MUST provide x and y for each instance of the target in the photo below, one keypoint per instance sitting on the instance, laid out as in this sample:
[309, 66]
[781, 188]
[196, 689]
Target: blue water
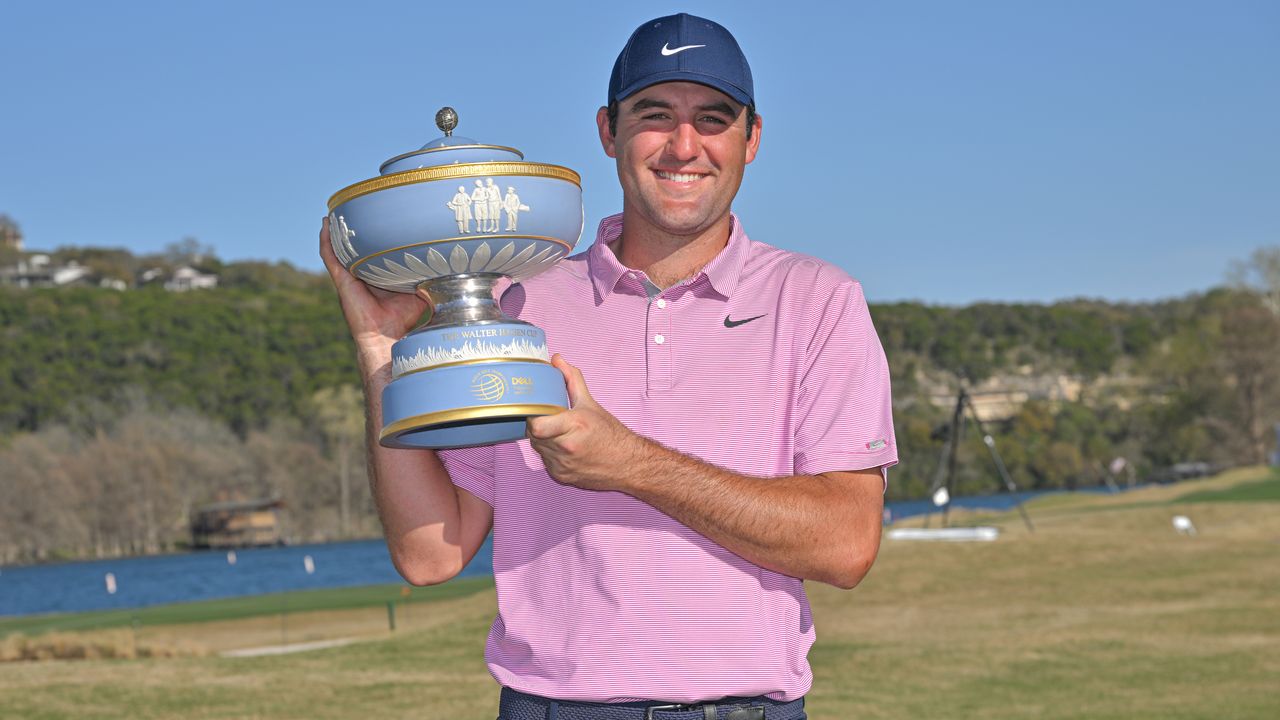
[1003, 501]
[144, 581]
[156, 580]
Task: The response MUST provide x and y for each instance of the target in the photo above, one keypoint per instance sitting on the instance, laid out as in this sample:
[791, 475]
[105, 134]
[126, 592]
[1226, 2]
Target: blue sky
[943, 151]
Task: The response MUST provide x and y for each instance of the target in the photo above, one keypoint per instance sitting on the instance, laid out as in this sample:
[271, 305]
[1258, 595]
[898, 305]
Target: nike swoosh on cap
[672, 51]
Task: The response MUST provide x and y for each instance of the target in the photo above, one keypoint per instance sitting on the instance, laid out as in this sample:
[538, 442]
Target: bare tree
[187, 251]
[1261, 275]
[339, 412]
[1248, 358]
[284, 462]
[39, 514]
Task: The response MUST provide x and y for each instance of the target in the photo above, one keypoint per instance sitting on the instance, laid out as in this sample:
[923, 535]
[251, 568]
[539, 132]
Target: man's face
[681, 148]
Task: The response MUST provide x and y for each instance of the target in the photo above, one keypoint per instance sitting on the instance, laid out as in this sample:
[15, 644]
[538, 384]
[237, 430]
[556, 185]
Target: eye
[714, 120]
[655, 116]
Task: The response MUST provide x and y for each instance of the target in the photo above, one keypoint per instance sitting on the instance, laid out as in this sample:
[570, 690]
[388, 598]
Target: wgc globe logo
[488, 385]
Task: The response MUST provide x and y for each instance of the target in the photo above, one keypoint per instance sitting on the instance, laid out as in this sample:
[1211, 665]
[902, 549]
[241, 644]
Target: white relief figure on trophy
[494, 194]
[461, 206]
[511, 203]
[480, 206]
[340, 236]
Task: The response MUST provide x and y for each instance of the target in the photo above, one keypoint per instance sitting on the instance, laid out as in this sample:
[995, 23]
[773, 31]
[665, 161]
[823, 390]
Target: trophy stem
[466, 298]
[471, 375]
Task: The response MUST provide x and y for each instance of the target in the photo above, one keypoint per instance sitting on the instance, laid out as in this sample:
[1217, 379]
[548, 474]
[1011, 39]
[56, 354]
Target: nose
[684, 144]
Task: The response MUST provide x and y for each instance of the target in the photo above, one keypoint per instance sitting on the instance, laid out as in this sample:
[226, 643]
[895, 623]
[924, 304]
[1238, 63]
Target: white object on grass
[972, 534]
[1183, 525]
[941, 497]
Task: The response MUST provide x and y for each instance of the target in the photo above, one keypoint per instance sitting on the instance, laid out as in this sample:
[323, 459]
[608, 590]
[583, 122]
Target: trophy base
[469, 404]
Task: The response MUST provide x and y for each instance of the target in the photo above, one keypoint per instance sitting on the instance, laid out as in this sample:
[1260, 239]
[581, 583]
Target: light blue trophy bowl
[447, 222]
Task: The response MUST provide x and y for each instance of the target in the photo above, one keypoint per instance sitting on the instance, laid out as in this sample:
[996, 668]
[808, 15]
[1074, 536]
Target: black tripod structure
[945, 475]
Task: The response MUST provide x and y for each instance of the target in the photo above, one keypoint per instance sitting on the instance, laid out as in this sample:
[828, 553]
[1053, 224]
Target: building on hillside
[240, 523]
[39, 271]
[188, 278]
[180, 280]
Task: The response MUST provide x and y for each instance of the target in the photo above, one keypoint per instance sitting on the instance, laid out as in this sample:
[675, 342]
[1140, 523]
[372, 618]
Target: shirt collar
[722, 272]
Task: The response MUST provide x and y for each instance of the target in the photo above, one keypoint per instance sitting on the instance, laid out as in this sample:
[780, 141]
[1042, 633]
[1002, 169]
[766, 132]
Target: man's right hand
[433, 528]
[377, 318]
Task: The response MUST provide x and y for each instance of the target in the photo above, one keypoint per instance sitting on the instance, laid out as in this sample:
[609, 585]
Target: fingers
[574, 381]
[546, 427]
[326, 251]
[342, 278]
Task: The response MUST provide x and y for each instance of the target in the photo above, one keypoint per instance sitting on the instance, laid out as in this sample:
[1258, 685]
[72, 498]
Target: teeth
[678, 177]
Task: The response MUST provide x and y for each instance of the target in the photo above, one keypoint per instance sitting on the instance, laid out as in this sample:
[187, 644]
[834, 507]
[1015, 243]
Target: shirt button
[659, 339]
[661, 303]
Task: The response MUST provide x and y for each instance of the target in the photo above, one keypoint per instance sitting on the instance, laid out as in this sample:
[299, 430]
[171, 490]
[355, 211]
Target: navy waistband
[516, 705]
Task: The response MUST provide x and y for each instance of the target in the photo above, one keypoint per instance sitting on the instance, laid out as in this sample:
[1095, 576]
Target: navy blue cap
[682, 47]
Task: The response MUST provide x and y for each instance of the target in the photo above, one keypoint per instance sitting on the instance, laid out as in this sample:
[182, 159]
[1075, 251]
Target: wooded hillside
[121, 410]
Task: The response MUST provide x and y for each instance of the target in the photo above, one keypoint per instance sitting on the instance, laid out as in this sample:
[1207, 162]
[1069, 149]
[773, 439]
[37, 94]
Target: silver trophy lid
[450, 149]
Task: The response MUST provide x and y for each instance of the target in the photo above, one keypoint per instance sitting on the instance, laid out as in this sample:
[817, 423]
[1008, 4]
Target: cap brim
[724, 86]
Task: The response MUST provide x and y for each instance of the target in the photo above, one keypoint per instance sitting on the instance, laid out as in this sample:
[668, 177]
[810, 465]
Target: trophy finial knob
[447, 120]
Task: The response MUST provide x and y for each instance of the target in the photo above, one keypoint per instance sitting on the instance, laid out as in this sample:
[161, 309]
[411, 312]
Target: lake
[183, 577]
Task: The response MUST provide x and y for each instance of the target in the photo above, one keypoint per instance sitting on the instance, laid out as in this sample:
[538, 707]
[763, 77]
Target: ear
[606, 137]
[753, 145]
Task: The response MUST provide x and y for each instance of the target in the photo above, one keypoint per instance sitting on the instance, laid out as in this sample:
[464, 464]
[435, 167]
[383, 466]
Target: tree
[1250, 357]
[188, 251]
[339, 412]
[1261, 274]
[10, 240]
[285, 462]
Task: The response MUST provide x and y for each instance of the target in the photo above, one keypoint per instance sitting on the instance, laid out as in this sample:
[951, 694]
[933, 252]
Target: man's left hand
[585, 446]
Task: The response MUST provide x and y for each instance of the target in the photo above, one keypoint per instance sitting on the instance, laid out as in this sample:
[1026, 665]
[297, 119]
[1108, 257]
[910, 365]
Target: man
[461, 204]
[480, 201]
[729, 430]
[513, 207]
[495, 204]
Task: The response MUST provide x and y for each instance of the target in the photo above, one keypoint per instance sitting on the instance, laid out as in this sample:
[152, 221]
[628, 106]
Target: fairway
[1103, 612]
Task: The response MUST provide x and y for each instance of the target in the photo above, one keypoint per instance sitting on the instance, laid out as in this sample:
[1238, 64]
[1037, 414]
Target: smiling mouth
[679, 177]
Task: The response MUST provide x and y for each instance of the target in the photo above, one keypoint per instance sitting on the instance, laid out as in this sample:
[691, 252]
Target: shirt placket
[659, 343]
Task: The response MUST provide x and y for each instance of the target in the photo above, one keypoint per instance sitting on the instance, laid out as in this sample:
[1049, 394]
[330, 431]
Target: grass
[1102, 612]
[1266, 490]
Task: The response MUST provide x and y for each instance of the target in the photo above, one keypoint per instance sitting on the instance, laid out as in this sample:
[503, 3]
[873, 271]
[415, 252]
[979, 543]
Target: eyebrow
[649, 103]
[720, 107]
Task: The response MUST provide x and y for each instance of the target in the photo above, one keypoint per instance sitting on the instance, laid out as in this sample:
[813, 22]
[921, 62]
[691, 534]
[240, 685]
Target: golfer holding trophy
[729, 419]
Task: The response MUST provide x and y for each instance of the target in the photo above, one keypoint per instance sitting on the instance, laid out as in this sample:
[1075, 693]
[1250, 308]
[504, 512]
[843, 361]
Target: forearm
[418, 505]
[819, 527]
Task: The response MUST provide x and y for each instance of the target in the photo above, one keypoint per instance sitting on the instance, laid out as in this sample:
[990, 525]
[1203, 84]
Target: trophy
[448, 222]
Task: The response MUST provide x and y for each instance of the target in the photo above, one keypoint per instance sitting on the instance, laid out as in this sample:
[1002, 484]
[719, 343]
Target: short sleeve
[471, 469]
[844, 404]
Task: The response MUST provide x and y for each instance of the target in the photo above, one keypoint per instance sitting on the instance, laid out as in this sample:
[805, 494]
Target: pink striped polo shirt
[765, 363]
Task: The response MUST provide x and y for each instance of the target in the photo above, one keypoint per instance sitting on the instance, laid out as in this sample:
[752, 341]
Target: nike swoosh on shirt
[735, 323]
[672, 51]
